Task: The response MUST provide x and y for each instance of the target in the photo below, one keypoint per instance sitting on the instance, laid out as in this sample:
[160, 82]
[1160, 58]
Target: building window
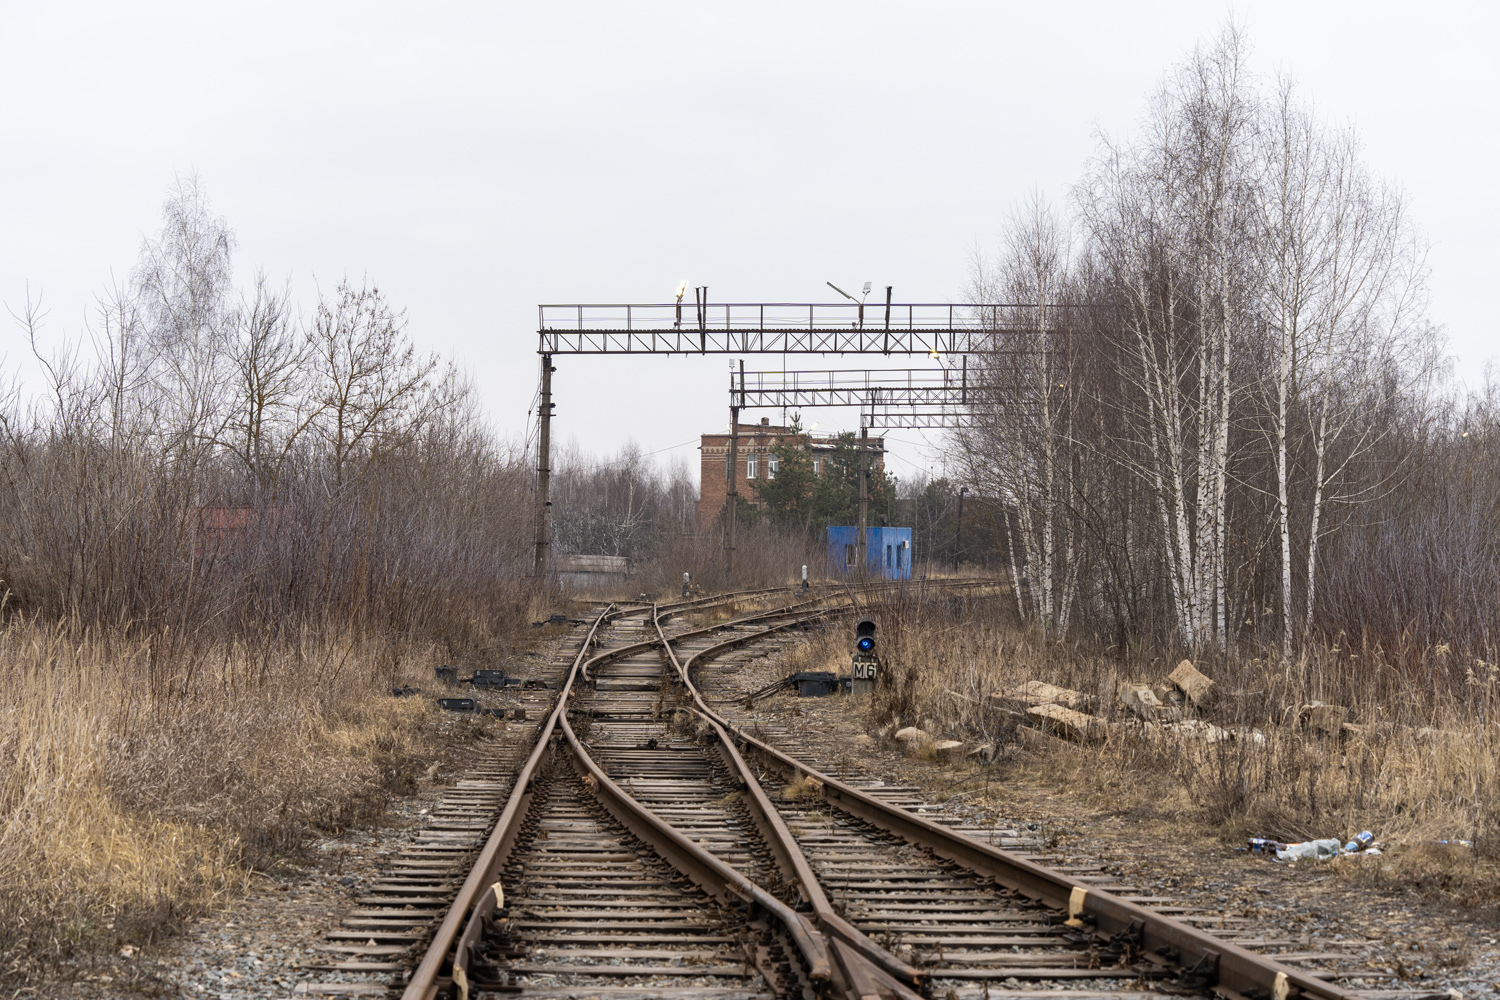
[751, 461]
[817, 465]
[773, 463]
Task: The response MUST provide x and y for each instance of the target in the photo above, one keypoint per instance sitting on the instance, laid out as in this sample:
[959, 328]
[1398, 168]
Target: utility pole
[864, 496]
[732, 472]
[958, 542]
[544, 473]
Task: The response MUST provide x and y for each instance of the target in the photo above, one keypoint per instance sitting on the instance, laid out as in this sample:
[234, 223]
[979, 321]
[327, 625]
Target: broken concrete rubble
[1320, 718]
[1168, 693]
[947, 748]
[1193, 684]
[1197, 729]
[1142, 701]
[1065, 722]
[1041, 693]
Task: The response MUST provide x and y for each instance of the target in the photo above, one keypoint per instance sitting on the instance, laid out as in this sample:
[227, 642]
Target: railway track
[648, 846]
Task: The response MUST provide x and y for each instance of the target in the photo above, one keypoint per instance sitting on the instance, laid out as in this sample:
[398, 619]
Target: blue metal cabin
[889, 553]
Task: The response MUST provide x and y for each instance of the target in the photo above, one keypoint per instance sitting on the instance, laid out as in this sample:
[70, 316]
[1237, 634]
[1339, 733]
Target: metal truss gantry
[771, 328]
[934, 329]
[891, 399]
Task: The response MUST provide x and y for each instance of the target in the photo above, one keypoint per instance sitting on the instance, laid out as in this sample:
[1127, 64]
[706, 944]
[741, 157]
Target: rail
[481, 894]
[1219, 963]
[861, 960]
[423, 984]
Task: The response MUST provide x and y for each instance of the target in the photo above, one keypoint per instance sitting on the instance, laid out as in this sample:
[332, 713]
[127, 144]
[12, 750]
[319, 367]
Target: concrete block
[1068, 724]
[1198, 688]
[1321, 718]
[1142, 701]
[1197, 729]
[1041, 693]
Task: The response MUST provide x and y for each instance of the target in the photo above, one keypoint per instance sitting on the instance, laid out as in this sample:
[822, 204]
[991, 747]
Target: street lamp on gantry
[859, 301]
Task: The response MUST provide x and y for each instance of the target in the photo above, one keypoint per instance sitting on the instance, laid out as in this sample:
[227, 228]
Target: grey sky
[476, 159]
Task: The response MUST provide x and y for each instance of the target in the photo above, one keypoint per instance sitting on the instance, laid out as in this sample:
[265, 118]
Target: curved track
[649, 847]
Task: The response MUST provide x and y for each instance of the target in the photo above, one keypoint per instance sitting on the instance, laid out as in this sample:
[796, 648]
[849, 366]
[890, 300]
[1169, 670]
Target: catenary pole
[864, 496]
[544, 473]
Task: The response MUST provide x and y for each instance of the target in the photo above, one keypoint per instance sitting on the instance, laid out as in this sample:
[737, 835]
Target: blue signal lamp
[866, 643]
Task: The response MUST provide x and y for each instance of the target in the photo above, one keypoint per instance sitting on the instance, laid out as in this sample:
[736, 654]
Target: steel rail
[1220, 963]
[696, 603]
[476, 902]
[707, 871]
[888, 970]
[480, 895]
[645, 644]
[423, 983]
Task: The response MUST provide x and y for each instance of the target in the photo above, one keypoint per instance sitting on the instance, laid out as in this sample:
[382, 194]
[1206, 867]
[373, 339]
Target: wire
[602, 466]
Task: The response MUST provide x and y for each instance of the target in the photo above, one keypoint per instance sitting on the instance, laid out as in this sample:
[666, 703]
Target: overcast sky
[477, 159]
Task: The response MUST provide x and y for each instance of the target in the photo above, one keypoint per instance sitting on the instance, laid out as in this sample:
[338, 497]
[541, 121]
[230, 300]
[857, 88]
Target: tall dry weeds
[1417, 764]
[123, 811]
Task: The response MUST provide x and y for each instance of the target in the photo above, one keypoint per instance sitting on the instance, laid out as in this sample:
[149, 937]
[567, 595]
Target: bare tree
[1168, 219]
[1019, 444]
[1344, 285]
[371, 387]
[269, 405]
[182, 287]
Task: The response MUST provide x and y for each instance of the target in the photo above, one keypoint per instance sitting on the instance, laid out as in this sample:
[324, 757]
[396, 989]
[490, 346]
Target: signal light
[864, 635]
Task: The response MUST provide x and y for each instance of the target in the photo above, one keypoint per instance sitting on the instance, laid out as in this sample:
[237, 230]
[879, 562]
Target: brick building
[757, 464]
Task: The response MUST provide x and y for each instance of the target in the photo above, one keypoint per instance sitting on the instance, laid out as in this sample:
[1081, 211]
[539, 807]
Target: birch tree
[182, 289]
[1373, 343]
[1168, 218]
[1021, 449]
[1342, 286]
[1294, 211]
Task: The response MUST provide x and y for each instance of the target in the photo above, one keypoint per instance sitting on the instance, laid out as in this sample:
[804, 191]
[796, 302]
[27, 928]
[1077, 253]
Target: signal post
[864, 672]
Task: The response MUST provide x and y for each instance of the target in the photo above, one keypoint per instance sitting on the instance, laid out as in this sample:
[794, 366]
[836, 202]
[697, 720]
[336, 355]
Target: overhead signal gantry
[932, 329]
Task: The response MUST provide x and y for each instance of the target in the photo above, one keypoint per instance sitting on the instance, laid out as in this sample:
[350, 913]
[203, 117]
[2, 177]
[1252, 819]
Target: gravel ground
[248, 950]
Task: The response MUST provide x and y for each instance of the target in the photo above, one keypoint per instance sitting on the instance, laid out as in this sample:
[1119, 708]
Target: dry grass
[1421, 767]
[136, 792]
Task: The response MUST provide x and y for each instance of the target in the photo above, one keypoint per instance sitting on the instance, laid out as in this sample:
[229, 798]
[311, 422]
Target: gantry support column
[544, 474]
[864, 498]
[733, 494]
[732, 501]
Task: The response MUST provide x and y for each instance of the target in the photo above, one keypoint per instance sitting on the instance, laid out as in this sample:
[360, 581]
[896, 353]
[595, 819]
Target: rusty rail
[863, 962]
[1235, 971]
[481, 894]
[424, 980]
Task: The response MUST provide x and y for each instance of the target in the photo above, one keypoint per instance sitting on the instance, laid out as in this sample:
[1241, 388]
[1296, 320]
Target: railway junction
[646, 834]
